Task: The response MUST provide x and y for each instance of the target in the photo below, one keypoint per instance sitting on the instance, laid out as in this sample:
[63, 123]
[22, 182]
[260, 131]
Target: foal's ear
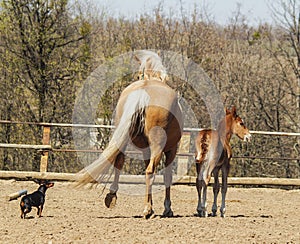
[227, 111]
[233, 112]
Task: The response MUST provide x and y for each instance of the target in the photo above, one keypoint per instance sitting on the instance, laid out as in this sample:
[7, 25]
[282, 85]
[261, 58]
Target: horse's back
[159, 94]
[159, 91]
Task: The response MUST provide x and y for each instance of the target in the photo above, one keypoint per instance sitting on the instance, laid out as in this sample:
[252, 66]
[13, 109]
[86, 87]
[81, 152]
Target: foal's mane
[151, 65]
[222, 124]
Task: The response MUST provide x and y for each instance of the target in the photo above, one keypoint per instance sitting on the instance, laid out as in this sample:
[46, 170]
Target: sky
[256, 11]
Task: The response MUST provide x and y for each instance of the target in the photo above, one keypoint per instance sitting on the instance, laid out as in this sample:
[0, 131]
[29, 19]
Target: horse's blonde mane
[151, 66]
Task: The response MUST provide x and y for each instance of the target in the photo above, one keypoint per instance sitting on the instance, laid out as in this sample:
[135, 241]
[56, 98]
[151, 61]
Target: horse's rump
[162, 110]
[142, 106]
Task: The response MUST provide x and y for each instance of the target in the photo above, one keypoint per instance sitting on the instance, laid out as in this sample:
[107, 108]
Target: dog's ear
[37, 181]
[41, 181]
[50, 184]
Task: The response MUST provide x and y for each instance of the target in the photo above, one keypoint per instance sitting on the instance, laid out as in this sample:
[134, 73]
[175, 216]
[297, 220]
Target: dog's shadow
[36, 217]
[29, 217]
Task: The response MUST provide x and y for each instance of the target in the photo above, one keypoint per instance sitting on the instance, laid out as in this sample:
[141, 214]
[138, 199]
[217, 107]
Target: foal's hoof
[223, 212]
[110, 200]
[202, 214]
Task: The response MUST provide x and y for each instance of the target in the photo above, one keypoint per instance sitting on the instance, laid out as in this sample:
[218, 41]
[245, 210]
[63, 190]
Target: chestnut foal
[213, 153]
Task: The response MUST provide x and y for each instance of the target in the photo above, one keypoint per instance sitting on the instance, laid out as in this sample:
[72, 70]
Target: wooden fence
[182, 156]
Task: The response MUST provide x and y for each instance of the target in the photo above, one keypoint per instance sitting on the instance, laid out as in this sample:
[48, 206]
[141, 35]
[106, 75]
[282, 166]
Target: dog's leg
[40, 210]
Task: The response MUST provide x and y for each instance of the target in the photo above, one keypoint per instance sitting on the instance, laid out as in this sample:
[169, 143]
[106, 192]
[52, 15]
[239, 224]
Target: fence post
[45, 153]
[184, 147]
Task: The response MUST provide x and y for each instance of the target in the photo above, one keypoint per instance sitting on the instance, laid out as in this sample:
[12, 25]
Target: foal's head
[236, 125]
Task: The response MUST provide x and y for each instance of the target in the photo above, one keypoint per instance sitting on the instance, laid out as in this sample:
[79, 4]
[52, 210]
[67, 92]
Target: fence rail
[140, 179]
[25, 146]
[112, 127]
[50, 148]
[183, 154]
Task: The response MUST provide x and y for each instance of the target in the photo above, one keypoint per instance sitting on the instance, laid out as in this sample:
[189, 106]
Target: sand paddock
[256, 215]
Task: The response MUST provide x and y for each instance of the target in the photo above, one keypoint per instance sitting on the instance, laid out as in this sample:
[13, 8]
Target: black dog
[35, 199]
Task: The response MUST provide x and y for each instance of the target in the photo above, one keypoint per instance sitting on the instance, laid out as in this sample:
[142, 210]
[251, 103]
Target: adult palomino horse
[148, 115]
[213, 153]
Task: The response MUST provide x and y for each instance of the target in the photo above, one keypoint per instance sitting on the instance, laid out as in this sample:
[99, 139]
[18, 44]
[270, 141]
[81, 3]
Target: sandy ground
[257, 215]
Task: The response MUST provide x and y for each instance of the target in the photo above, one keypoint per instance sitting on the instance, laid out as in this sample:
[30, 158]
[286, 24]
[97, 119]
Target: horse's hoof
[149, 214]
[214, 214]
[168, 213]
[110, 200]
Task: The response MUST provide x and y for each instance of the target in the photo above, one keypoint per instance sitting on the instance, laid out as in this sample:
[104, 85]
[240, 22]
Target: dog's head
[43, 182]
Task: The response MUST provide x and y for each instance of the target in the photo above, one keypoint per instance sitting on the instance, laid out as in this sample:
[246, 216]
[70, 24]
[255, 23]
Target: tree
[41, 39]
[286, 51]
[45, 51]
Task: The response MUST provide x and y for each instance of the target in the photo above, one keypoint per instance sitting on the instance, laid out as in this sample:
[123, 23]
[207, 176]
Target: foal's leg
[202, 190]
[204, 199]
[216, 189]
[225, 171]
[111, 197]
[170, 155]
[198, 187]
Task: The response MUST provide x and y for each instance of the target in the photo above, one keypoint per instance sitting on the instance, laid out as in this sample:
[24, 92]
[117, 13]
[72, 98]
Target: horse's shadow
[182, 216]
[157, 216]
[248, 216]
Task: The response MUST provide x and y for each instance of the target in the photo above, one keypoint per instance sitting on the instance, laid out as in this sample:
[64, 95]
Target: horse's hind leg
[216, 189]
[111, 197]
[170, 155]
[225, 171]
[157, 140]
[150, 176]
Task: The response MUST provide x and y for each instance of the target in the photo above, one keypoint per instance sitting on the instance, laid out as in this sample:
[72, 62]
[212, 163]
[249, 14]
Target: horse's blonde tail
[100, 170]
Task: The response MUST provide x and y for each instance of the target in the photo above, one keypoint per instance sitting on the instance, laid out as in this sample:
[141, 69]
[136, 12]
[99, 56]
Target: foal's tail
[99, 171]
[202, 146]
[201, 157]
